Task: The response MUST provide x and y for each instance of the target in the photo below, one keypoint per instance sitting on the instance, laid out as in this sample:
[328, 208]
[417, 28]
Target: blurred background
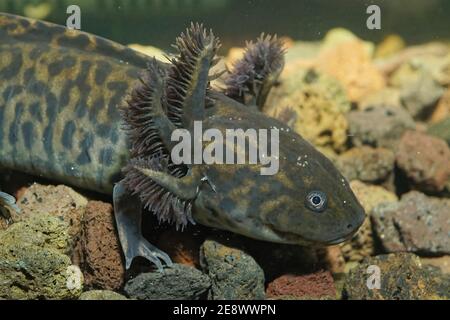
[157, 22]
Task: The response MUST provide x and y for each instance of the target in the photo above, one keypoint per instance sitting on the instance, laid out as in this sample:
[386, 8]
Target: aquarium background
[157, 22]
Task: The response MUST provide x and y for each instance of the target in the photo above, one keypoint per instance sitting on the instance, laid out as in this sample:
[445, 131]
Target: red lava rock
[309, 286]
[182, 247]
[417, 223]
[101, 257]
[424, 159]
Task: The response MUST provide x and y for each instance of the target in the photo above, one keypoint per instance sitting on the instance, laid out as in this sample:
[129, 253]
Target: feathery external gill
[254, 74]
[174, 92]
[196, 50]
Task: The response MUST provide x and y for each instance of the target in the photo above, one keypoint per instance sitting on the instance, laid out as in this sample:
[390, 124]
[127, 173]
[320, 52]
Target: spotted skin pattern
[60, 93]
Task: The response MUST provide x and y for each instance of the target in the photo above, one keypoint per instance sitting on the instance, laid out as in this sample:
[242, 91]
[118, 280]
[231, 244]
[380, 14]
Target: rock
[59, 201]
[179, 282]
[437, 51]
[274, 258]
[390, 45]
[43, 231]
[318, 285]
[402, 277]
[349, 60]
[441, 130]
[101, 295]
[429, 62]
[339, 36]
[362, 244]
[424, 159]
[385, 97]
[417, 223]
[33, 263]
[420, 97]
[439, 280]
[442, 110]
[101, 258]
[371, 196]
[366, 164]
[378, 126]
[443, 263]
[314, 105]
[234, 274]
[421, 82]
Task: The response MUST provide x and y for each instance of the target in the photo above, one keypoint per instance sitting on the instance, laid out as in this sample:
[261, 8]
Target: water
[157, 22]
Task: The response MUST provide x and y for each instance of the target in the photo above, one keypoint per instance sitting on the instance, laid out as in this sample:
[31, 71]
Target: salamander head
[308, 202]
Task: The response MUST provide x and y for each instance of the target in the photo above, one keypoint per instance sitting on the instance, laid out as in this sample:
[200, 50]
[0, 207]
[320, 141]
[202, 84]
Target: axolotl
[86, 111]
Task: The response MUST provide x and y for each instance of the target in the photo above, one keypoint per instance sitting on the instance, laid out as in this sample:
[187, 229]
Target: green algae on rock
[33, 261]
[44, 231]
[59, 201]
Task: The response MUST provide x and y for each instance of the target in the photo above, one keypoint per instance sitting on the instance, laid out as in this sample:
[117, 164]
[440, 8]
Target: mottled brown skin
[60, 93]
[272, 208]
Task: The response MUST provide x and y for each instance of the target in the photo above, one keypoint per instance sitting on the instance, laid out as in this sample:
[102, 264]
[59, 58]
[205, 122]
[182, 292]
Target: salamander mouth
[297, 239]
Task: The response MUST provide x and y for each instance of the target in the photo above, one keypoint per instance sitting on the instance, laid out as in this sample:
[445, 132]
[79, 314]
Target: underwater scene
[224, 150]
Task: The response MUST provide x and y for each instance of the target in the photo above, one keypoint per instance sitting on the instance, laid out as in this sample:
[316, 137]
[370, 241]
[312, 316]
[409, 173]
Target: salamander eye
[316, 201]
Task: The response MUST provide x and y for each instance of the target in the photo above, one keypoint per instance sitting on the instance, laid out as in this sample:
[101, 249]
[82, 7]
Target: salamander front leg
[128, 213]
[7, 204]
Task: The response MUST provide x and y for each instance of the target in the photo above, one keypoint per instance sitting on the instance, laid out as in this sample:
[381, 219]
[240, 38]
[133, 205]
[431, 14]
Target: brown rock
[366, 164]
[379, 125]
[416, 223]
[424, 159]
[443, 263]
[102, 263]
[351, 63]
[318, 285]
[362, 244]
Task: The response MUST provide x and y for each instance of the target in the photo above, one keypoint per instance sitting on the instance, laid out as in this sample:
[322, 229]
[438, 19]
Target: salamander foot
[128, 213]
